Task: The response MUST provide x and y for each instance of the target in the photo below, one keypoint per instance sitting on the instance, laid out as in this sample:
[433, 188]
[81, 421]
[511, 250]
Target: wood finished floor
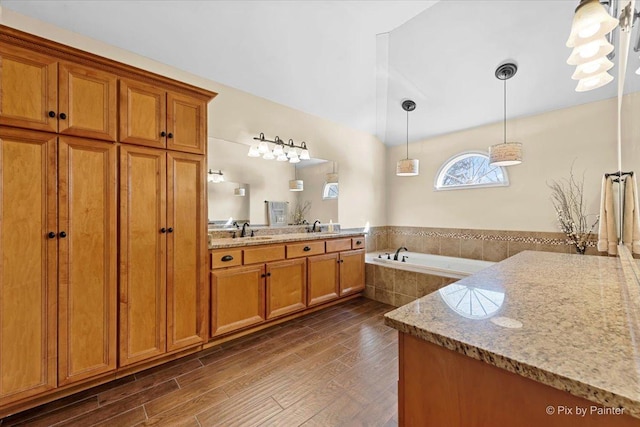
[335, 367]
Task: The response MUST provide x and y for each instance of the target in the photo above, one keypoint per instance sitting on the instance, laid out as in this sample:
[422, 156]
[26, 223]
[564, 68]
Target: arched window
[468, 170]
[330, 191]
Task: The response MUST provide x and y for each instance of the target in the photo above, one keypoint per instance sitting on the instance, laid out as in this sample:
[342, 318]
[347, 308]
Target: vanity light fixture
[296, 184]
[282, 152]
[507, 153]
[408, 167]
[215, 176]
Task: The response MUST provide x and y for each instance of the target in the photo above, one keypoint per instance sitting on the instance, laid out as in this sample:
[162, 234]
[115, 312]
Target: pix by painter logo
[582, 411]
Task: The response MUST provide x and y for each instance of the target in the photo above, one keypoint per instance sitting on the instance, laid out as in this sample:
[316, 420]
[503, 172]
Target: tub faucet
[244, 229]
[401, 248]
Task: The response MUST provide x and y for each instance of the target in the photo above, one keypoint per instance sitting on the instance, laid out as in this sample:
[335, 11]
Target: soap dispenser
[330, 226]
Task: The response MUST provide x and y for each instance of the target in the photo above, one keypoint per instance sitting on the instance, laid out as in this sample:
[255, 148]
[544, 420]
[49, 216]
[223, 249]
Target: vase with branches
[567, 196]
[300, 211]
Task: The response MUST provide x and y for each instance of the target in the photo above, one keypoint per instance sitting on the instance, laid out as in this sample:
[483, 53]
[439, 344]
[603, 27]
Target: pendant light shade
[592, 68]
[594, 82]
[332, 177]
[408, 167]
[507, 153]
[590, 52]
[296, 184]
[591, 21]
[241, 192]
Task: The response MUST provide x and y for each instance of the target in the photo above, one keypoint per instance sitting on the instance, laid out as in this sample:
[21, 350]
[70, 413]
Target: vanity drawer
[338, 245]
[357, 242]
[305, 249]
[226, 258]
[253, 255]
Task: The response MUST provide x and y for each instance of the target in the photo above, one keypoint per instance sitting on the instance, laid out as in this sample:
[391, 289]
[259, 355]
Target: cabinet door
[87, 259]
[186, 123]
[88, 100]
[142, 114]
[186, 250]
[351, 271]
[28, 84]
[322, 278]
[237, 298]
[286, 287]
[142, 253]
[28, 276]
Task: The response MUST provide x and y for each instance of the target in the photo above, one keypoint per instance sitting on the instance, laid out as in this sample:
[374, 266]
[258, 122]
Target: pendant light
[240, 191]
[507, 153]
[408, 167]
[296, 184]
[332, 177]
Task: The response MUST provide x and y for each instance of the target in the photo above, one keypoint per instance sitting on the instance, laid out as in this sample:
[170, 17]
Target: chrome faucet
[244, 229]
[317, 221]
[401, 248]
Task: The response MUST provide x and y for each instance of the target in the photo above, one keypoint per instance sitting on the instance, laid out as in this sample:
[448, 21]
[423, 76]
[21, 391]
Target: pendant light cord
[407, 134]
[505, 110]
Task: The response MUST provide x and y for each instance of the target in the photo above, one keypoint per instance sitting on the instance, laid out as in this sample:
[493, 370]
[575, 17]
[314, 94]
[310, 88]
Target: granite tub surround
[564, 320]
[487, 245]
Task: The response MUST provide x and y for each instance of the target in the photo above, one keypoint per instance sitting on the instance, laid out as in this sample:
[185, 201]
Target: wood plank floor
[335, 367]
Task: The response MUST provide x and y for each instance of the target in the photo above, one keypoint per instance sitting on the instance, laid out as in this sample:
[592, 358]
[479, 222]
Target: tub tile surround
[396, 287]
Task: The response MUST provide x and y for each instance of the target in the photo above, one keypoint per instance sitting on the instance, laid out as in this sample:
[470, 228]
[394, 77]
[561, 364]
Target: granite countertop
[228, 242]
[568, 321]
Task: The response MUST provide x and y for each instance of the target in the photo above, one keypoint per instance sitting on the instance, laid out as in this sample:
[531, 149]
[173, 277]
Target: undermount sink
[257, 238]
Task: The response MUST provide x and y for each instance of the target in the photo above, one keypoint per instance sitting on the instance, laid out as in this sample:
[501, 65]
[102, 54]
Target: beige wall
[237, 116]
[585, 134]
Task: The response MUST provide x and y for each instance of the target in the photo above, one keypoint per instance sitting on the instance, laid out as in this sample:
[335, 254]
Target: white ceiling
[334, 60]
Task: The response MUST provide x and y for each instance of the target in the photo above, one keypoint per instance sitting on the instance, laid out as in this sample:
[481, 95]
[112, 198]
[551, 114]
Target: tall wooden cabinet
[162, 248]
[102, 244]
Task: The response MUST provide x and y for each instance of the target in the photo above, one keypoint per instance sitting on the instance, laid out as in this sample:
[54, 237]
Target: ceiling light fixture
[408, 167]
[282, 152]
[507, 153]
[215, 176]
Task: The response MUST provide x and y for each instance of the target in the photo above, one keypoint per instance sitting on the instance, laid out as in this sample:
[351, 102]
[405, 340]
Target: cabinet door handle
[63, 234]
[51, 235]
[226, 258]
[358, 242]
[169, 135]
[268, 274]
[306, 249]
[52, 114]
[163, 230]
[170, 230]
[341, 260]
[163, 134]
[63, 116]
[263, 275]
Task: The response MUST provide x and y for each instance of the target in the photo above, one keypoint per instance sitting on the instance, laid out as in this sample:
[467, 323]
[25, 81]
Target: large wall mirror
[268, 181]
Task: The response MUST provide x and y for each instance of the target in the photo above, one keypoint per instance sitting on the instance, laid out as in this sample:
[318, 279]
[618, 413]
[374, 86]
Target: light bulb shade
[268, 156]
[592, 68]
[594, 82]
[331, 178]
[263, 147]
[304, 155]
[239, 192]
[282, 158]
[590, 52]
[296, 185]
[506, 154]
[277, 150]
[408, 167]
[294, 159]
[590, 22]
[253, 151]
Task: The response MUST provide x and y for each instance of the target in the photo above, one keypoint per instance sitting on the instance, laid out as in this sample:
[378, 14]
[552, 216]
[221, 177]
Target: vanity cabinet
[286, 287]
[58, 268]
[351, 271]
[154, 117]
[237, 298]
[162, 242]
[336, 274]
[42, 93]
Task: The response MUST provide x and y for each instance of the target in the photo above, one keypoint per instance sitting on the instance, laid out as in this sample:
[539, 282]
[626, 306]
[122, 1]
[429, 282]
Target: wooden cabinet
[351, 271]
[237, 298]
[154, 117]
[28, 264]
[286, 287]
[41, 93]
[162, 252]
[87, 289]
[323, 278]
